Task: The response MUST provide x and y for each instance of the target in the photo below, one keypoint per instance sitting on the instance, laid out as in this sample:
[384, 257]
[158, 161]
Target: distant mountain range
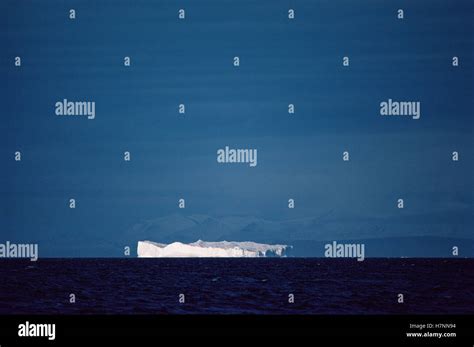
[410, 247]
[307, 235]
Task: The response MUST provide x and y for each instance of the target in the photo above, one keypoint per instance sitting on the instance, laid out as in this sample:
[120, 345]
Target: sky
[173, 156]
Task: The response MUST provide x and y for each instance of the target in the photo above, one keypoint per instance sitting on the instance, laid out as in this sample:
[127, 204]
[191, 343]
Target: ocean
[237, 286]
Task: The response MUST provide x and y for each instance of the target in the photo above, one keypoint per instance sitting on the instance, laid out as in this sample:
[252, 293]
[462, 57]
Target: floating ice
[203, 249]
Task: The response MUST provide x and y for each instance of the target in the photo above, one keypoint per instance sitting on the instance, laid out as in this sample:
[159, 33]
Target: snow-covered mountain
[202, 249]
[189, 228]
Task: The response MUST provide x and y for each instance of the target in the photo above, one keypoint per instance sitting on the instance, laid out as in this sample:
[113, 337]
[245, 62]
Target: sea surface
[234, 286]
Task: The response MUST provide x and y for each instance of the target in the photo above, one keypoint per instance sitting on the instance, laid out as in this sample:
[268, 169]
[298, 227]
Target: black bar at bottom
[416, 329]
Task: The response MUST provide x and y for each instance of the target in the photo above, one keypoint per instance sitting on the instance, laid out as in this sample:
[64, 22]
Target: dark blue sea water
[227, 286]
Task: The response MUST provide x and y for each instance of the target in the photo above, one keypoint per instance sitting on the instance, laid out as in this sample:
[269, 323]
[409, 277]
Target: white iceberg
[203, 249]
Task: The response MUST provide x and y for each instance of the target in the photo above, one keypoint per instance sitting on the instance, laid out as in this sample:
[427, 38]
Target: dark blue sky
[299, 156]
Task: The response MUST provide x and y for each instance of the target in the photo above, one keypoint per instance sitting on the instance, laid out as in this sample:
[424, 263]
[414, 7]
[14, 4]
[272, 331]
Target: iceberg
[203, 249]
